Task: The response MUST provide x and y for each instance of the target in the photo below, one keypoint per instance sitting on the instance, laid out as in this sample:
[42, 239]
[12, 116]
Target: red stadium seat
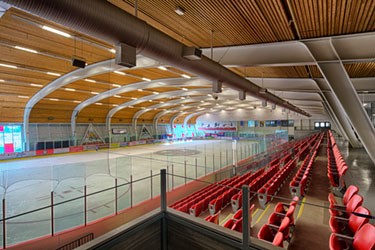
[276, 218]
[353, 203]
[349, 226]
[267, 233]
[213, 218]
[278, 240]
[282, 207]
[364, 239]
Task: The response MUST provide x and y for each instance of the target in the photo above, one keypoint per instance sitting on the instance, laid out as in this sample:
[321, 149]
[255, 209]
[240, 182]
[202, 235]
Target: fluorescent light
[149, 100]
[53, 74]
[209, 95]
[182, 105]
[89, 80]
[116, 85]
[59, 32]
[119, 72]
[130, 106]
[114, 105]
[161, 102]
[1, 80]
[75, 101]
[162, 68]
[182, 97]
[36, 85]
[8, 66]
[146, 79]
[186, 76]
[155, 93]
[202, 101]
[112, 51]
[184, 89]
[179, 11]
[133, 98]
[140, 90]
[117, 96]
[69, 89]
[54, 99]
[26, 49]
[98, 103]
[23, 97]
[94, 93]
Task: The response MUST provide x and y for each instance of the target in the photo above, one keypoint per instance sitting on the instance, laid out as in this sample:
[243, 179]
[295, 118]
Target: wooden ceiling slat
[317, 18]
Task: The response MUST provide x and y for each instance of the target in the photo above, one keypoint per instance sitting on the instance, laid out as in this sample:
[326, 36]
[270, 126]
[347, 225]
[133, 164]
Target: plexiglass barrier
[52, 198]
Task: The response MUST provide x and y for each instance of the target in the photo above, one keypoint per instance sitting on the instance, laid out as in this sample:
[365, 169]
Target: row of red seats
[349, 222]
[184, 204]
[304, 149]
[298, 185]
[280, 223]
[223, 200]
[236, 200]
[223, 192]
[336, 165]
[235, 223]
[273, 185]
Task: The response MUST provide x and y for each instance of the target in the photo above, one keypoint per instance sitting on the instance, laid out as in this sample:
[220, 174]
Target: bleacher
[266, 182]
[349, 220]
[336, 164]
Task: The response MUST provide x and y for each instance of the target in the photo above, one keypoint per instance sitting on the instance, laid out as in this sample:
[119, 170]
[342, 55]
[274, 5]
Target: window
[10, 139]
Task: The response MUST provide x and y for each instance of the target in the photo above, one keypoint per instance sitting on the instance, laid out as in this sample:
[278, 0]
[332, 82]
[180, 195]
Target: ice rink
[87, 186]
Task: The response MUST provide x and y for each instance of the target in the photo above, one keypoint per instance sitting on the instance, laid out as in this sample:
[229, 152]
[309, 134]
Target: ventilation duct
[102, 20]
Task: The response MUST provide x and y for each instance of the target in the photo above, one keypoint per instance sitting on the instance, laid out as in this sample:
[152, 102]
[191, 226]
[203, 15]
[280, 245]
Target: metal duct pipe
[101, 19]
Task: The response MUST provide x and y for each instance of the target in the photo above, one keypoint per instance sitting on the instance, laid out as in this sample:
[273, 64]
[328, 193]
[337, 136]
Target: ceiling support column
[341, 86]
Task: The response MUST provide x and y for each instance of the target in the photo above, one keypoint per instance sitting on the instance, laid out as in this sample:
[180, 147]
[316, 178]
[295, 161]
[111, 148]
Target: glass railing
[51, 197]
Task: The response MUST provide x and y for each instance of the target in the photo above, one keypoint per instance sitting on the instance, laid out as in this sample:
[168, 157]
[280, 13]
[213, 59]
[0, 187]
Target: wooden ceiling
[206, 23]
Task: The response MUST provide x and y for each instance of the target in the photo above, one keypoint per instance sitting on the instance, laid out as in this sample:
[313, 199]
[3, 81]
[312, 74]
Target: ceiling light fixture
[23, 97]
[54, 99]
[146, 79]
[140, 90]
[36, 85]
[98, 103]
[94, 93]
[53, 30]
[179, 11]
[155, 93]
[186, 76]
[116, 85]
[8, 66]
[69, 89]
[162, 68]
[53, 74]
[89, 80]
[119, 72]
[75, 101]
[112, 51]
[184, 89]
[117, 96]
[26, 49]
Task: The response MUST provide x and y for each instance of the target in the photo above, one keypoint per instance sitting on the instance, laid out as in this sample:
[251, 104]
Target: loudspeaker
[78, 63]
[242, 95]
[192, 53]
[126, 55]
[216, 87]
